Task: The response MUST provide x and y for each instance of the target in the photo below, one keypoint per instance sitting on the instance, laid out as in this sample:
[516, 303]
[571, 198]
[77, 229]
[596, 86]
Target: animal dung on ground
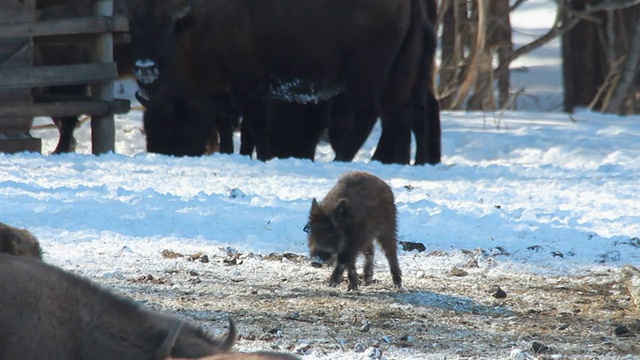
[410, 246]
[359, 208]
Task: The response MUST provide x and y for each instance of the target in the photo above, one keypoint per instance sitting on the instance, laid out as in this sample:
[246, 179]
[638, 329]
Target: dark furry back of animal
[49, 313]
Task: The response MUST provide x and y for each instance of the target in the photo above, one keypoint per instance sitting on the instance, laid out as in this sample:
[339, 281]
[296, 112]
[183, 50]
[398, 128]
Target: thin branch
[554, 32]
[483, 7]
[611, 5]
[609, 83]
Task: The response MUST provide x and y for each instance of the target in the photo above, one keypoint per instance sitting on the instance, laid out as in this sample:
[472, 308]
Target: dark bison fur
[296, 51]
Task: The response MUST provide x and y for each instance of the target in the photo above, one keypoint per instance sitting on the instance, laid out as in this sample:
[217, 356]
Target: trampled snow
[554, 193]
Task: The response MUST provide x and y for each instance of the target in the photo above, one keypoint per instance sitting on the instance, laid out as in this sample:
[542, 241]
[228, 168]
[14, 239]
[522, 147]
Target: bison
[19, 242]
[49, 313]
[359, 208]
[295, 51]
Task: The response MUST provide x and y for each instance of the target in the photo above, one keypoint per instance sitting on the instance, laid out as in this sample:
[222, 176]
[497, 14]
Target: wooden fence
[19, 26]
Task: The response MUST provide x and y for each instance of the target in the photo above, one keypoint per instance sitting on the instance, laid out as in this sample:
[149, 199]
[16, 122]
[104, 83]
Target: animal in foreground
[359, 208]
[49, 313]
[165, 350]
[297, 51]
[19, 242]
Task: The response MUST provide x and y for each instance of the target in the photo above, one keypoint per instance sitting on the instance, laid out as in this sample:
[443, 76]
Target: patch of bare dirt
[280, 302]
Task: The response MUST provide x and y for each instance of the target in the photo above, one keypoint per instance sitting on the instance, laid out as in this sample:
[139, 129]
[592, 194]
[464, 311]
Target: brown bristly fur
[359, 208]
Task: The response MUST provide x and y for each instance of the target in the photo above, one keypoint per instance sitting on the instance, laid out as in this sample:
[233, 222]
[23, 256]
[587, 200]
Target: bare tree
[601, 55]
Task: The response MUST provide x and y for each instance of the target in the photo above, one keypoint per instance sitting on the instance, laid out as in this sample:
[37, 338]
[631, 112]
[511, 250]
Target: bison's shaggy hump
[49, 313]
[19, 242]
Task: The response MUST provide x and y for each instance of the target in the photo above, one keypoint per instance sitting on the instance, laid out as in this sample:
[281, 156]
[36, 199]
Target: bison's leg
[364, 115]
[339, 122]
[66, 142]
[225, 131]
[246, 142]
[394, 145]
[316, 120]
[426, 121]
[428, 138]
[368, 264]
[256, 123]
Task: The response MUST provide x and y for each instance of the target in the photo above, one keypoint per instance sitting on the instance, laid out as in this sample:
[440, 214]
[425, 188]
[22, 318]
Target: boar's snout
[320, 257]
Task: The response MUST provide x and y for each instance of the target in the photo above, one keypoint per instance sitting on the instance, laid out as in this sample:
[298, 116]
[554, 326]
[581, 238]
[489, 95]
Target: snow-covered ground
[547, 194]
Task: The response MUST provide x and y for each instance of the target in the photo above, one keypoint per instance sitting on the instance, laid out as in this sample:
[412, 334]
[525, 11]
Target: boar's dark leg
[390, 248]
[368, 264]
[353, 277]
[336, 275]
[346, 261]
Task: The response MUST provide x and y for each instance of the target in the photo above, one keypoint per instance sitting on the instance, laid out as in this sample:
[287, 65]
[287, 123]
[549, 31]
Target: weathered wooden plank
[20, 144]
[13, 11]
[103, 128]
[71, 26]
[70, 108]
[80, 39]
[57, 75]
[16, 52]
[15, 126]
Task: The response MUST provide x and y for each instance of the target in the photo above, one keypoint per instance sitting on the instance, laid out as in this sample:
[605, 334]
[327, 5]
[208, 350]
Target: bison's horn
[143, 98]
[164, 352]
[230, 339]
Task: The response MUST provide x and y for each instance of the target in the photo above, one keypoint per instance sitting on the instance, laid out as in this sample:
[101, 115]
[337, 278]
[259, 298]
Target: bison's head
[155, 26]
[326, 230]
[174, 127]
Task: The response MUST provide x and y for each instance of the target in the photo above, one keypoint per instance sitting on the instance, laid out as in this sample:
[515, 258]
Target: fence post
[103, 127]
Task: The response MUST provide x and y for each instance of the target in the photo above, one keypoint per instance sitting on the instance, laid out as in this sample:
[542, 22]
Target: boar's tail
[164, 352]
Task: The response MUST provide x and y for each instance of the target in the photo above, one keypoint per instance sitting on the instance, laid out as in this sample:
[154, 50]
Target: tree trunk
[625, 89]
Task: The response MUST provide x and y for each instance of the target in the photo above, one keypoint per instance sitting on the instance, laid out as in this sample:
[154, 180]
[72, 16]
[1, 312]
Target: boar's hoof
[316, 264]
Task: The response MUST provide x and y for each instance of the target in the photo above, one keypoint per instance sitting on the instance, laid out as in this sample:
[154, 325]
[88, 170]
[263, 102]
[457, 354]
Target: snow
[555, 192]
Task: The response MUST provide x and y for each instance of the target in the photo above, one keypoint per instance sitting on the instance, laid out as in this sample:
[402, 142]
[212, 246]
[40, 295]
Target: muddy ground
[280, 302]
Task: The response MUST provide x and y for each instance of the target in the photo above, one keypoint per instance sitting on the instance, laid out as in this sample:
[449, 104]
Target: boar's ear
[315, 209]
[341, 211]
